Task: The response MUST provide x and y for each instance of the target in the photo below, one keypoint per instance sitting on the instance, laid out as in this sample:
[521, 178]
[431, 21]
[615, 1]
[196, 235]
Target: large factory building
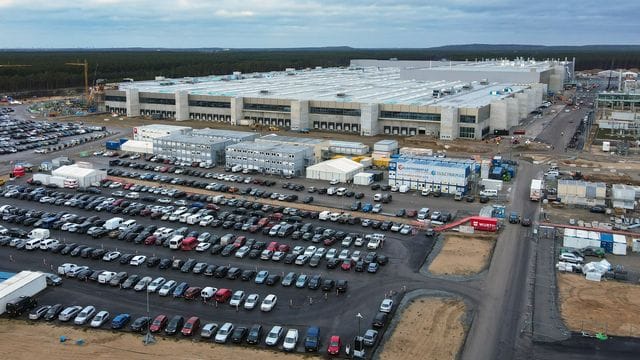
[370, 97]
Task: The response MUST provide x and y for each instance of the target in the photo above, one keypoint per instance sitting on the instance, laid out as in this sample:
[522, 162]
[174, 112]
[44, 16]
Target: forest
[48, 70]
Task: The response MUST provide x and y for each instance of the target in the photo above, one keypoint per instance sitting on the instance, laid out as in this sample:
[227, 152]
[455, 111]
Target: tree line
[48, 71]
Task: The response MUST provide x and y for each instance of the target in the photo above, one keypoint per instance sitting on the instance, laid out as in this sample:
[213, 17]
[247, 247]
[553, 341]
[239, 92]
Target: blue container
[496, 161]
[123, 140]
[512, 171]
[607, 246]
[606, 237]
[112, 145]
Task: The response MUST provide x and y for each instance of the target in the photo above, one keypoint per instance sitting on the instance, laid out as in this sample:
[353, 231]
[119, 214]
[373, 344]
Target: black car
[255, 334]
[126, 258]
[272, 279]
[315, 282]
[164, 264]
[239, 334]
[333, 263]
[342, 285]
[53, 312]
[140, 324]
[598, 209]
[174, 325]
[380, 320]
[328, 285]
[247, 274]
[153, 261]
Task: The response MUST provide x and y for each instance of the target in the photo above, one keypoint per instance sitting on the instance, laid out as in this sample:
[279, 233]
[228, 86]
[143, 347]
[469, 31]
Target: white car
[376, 208]
[386, 305]
[373, 244]
[156, 284]
[207, 220]
[297, 250]
[242, 252]
[268, 303]
[331, 253]
[105, 277]
[167, 288]
[143, 283]
[223, 333]
[236, 298]
[111, 255]
[203, 246]
[310, 250]
[138, 260]
[85, 315]
[252, 301]
[406, 229]
[356, 255]
[274, 335]
[570, 257]
[100, 318]
[344, 254]
[290, 340]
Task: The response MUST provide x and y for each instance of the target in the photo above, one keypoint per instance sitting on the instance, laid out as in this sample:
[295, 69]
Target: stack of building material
[623, 196]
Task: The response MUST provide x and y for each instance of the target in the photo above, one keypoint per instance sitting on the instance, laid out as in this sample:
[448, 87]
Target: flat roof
[495, 66]
[362, 85]
[233, 134]
[163, 127]
[292, 139]
[260, 146]
[193, 139]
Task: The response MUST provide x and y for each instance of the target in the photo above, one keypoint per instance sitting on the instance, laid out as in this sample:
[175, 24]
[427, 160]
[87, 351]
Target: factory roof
[495, 66]
[435, 161]
[73, 171]
[231, 134]
[163, 127]
[362, 85]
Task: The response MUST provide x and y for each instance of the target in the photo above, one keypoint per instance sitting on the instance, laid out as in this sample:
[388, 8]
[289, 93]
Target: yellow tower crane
[85, 64]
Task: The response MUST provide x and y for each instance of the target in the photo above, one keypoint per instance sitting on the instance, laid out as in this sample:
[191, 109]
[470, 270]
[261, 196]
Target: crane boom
[84, 64]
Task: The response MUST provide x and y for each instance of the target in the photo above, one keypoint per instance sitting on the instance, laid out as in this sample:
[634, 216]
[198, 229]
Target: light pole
[360, 317]
[148, 338]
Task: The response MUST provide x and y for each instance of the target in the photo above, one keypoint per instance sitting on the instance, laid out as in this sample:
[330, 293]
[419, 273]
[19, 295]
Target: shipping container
[484, 223]
[619, 245]
[386, 145]
[112, 145]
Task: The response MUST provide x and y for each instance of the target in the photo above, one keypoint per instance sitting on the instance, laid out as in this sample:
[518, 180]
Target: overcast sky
[305, 23]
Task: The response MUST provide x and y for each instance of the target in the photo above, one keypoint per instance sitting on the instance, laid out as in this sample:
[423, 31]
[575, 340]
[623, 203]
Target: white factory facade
[448, 100]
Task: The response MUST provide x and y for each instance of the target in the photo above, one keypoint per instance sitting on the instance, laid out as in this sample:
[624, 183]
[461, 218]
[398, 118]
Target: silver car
[85, 315]
[69, 312]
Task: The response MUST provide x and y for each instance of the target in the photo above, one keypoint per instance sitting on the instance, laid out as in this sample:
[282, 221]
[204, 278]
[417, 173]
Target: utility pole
[148, 338]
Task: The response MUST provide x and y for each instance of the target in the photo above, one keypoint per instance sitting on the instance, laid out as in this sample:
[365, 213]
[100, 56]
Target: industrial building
[150, 132]
[269, 158]
[467, 100]
[191, 148]
[447, 175]
[81, 171]
[582, 193]
[340, 169]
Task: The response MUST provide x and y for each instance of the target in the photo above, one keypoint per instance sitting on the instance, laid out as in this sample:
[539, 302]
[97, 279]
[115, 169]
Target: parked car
[334, 345]
[274, 335]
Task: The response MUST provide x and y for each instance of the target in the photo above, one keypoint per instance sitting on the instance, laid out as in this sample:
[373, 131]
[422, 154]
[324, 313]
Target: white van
[334, 216]
[47, 244]
[33, 244]
[236, 168]
[127, 225]
[208, 292]
[105, 277]
[38, 234]
[426, 192]
[489, 193]
[377, 197]
[184, 216]
[331, 191]
[341, 191]
[324, 216]
[194, 219]
[403, 188]
[175, 242]
[113, 223]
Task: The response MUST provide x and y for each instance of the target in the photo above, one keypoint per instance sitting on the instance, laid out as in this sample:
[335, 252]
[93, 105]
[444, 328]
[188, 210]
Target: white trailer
[535, 193]
[24, 283]
[42, 178]
[57, 180]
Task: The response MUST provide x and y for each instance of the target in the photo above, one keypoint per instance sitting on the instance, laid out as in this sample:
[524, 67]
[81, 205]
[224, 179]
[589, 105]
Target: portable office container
[619, 244]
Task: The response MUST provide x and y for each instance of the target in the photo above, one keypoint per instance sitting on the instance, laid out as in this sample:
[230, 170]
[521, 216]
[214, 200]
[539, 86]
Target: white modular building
[623, 196]
[340, 169]
[150, 132]
[447, 175]
[137, 146]
[231, 135]
[192, 148]
[81, 171]
[269, 158]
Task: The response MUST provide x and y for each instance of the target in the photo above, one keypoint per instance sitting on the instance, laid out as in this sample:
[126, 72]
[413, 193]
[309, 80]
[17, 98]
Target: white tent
[138, 146]
[85, 175]
[341, 169]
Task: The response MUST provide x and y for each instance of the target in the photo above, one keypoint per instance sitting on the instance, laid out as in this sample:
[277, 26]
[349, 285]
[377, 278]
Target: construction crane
[85, 64]
[16, 65]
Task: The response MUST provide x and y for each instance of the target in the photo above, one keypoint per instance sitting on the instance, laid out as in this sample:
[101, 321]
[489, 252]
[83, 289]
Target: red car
[191, 326]
[284, 248]
[239, 242]
[150, 240]
[192, 292]
[346, 264]
[158, 323]
[334, 345]
[273, 246]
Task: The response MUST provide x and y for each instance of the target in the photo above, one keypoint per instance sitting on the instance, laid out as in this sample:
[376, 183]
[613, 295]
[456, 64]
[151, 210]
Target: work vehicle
[18, 306]
[535, 191]
[312, 339]
[290, 340]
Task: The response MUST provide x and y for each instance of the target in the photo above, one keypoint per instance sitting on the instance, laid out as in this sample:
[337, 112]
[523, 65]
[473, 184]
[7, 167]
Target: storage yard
[304, 215]
[463, 255]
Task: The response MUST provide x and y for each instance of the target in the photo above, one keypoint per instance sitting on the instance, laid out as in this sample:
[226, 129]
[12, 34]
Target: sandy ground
[463, 254]
[430, 328]
[20, 340]
[608, 306]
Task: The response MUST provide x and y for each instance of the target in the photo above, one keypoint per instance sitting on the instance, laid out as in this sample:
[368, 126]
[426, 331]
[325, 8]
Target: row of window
[210, 117]
[258, 154]
[244, 160]
[116, 110]
[268, 107]
[269, 121]
[468, 119]
[334, 111]
[401, 130]
[467, 132]
[115, 98]
[409, 115]
[145, 100]
[323, 125]
[170, 151]
[180, 145]
[212, 104]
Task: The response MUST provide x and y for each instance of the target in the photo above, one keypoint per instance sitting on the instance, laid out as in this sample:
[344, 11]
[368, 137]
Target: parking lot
[334, 312]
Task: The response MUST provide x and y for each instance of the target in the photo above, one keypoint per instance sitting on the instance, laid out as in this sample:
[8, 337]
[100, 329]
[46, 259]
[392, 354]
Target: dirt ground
[463, 254]
[430, 328]
[21, 340]
[608, 306]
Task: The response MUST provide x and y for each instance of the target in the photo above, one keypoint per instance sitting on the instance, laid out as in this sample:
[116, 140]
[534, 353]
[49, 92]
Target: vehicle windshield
[334, 343]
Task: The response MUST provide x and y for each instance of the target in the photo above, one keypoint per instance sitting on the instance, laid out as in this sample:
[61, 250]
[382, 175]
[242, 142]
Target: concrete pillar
[237, 105]
[522, 105]
[133, 102]
[513, 118]
[369, 119]
[182, 105]
[498, 117]
[300, 115]
[449, 123]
